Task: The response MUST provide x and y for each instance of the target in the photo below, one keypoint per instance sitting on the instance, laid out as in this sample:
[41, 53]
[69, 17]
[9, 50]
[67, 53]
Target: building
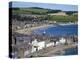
[27, 45]
[38, 45]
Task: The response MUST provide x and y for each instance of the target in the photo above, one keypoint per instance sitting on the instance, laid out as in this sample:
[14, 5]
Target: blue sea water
[71, 51]
[59, 30]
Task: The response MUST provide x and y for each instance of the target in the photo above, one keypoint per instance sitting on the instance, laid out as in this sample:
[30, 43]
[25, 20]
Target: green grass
[37, 10]
[32, 11]
[63, 18]
[69, 18]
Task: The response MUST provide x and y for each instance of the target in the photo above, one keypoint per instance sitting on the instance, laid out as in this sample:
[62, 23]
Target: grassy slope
[52, 18]
[63, 18]
[30, 10]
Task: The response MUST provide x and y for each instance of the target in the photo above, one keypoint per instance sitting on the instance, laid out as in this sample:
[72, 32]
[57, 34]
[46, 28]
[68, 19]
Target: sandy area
[29, 30]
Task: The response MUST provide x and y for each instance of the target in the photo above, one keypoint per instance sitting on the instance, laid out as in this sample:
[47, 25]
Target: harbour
[38, 31]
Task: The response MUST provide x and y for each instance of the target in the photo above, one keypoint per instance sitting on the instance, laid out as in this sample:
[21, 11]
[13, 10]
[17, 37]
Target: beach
[30, 29]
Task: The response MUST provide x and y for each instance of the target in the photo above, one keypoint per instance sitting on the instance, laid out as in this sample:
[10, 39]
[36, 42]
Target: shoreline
[63, 24]
[30, 29]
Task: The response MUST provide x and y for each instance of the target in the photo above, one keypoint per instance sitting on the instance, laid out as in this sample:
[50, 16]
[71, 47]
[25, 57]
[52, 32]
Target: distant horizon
[38, 7]
[62, 7]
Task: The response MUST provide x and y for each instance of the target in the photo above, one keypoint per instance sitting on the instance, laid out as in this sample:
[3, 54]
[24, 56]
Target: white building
[43, 44]
[37, 45]
[62, 40]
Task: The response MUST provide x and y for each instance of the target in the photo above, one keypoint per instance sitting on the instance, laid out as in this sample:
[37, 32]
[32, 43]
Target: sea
[66, 30]
[71, 51]
[58, 30]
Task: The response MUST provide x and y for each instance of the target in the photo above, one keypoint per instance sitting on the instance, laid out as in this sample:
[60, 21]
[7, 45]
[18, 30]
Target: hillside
[43, 11]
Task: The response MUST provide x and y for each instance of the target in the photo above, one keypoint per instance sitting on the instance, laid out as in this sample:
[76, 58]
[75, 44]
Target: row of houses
[25, 45]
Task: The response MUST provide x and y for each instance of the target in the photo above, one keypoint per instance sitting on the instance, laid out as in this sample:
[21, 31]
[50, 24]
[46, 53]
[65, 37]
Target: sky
[46, 5]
